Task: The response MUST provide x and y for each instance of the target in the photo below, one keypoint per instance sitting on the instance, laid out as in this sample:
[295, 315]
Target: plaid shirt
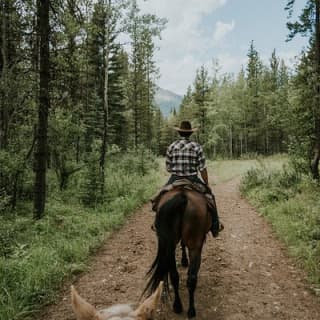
[185, 158]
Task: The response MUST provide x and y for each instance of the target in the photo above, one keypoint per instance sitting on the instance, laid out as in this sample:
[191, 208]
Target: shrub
[252, 179]
[122, 174]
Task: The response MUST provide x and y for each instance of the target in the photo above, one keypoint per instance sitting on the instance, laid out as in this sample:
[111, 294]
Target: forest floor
[246, 272]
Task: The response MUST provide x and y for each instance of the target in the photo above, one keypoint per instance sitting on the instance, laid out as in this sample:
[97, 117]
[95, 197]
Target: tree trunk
[149, 103]
[41, 154]
[134, 103]
[230, 142]
[135, 94]
[105, 97]
[4, 76]
[316, 149]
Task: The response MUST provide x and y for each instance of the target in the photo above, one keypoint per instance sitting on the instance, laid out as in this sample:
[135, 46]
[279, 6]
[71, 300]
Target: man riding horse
[185, 212]
[184, 159]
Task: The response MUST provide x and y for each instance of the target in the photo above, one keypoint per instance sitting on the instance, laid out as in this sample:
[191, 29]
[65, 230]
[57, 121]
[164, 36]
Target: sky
[201, 31]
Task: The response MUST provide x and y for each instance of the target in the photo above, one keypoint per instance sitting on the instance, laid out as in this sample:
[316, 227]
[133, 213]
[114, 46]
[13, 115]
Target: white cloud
[221, 30]
[230, 63]
[177, 11]
[178, 74]
[185, 41]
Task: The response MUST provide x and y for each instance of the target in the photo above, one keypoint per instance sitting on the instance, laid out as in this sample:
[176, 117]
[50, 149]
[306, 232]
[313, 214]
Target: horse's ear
[82, 309]
[147, 309]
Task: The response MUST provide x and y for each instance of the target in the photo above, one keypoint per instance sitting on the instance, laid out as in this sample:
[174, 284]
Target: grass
[224, 170]
[290, 202]
[36, 257]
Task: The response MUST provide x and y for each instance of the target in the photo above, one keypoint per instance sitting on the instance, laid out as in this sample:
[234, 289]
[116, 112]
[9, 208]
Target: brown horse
[182, 215]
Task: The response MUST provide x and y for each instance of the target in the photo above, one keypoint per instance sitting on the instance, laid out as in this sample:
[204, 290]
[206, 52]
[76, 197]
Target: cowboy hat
[185, 126]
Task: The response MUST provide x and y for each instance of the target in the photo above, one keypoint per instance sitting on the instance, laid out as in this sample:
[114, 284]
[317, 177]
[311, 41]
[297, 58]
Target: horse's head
[145, 311]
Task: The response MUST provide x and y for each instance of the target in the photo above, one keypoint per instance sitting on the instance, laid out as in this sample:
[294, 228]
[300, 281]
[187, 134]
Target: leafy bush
[278, 184]
[5, 200]
[90, 183]
[252, 179]
[9, 165]
[122, 172]
[15, 180]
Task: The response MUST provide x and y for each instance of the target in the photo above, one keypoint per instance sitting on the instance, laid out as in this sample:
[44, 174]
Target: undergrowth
[290, 201]
[36, 257]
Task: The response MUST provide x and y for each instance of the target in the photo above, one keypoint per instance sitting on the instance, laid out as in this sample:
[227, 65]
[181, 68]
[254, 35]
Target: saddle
[186, 185]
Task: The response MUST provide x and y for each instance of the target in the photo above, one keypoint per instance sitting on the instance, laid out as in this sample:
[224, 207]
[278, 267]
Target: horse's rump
[195, 219]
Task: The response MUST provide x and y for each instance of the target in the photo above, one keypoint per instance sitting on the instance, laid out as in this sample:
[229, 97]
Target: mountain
[167, 100]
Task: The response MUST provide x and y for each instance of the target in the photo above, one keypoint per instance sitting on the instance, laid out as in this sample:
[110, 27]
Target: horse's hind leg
[174, 277]
[195, 261]
[184, 258]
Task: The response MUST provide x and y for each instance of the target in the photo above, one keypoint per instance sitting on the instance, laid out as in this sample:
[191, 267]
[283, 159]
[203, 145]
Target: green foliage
[278, 184]
[10, 166]
[243, 114]
[253, 178]
[121, 174]
[301, 115]
[290, 201]
[305, 23]
[90, 183]
[35, 257]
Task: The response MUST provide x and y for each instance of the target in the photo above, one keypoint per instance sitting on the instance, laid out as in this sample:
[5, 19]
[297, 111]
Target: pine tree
[142, 30]
[200, 98]
[253, 109]
[41, 155]
[308, 24]
[118, 77]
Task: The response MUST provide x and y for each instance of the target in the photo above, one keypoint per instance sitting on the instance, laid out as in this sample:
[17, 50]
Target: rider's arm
[204, 176]
[202, 166]
[169, 160]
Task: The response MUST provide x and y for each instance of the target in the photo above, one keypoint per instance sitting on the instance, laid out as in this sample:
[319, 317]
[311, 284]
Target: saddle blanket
[187, 185]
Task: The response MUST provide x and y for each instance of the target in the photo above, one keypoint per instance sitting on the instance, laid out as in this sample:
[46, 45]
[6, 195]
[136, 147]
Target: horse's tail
[168, 224]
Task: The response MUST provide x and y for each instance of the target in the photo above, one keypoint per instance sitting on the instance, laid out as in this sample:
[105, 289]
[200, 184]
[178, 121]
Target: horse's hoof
[191, 313]
[185, 263]
[177, 307]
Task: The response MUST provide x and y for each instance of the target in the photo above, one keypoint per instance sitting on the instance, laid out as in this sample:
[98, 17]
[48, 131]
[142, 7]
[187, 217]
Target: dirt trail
[245, 273]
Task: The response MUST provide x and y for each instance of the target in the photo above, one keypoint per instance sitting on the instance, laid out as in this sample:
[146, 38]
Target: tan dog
[85, 311]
